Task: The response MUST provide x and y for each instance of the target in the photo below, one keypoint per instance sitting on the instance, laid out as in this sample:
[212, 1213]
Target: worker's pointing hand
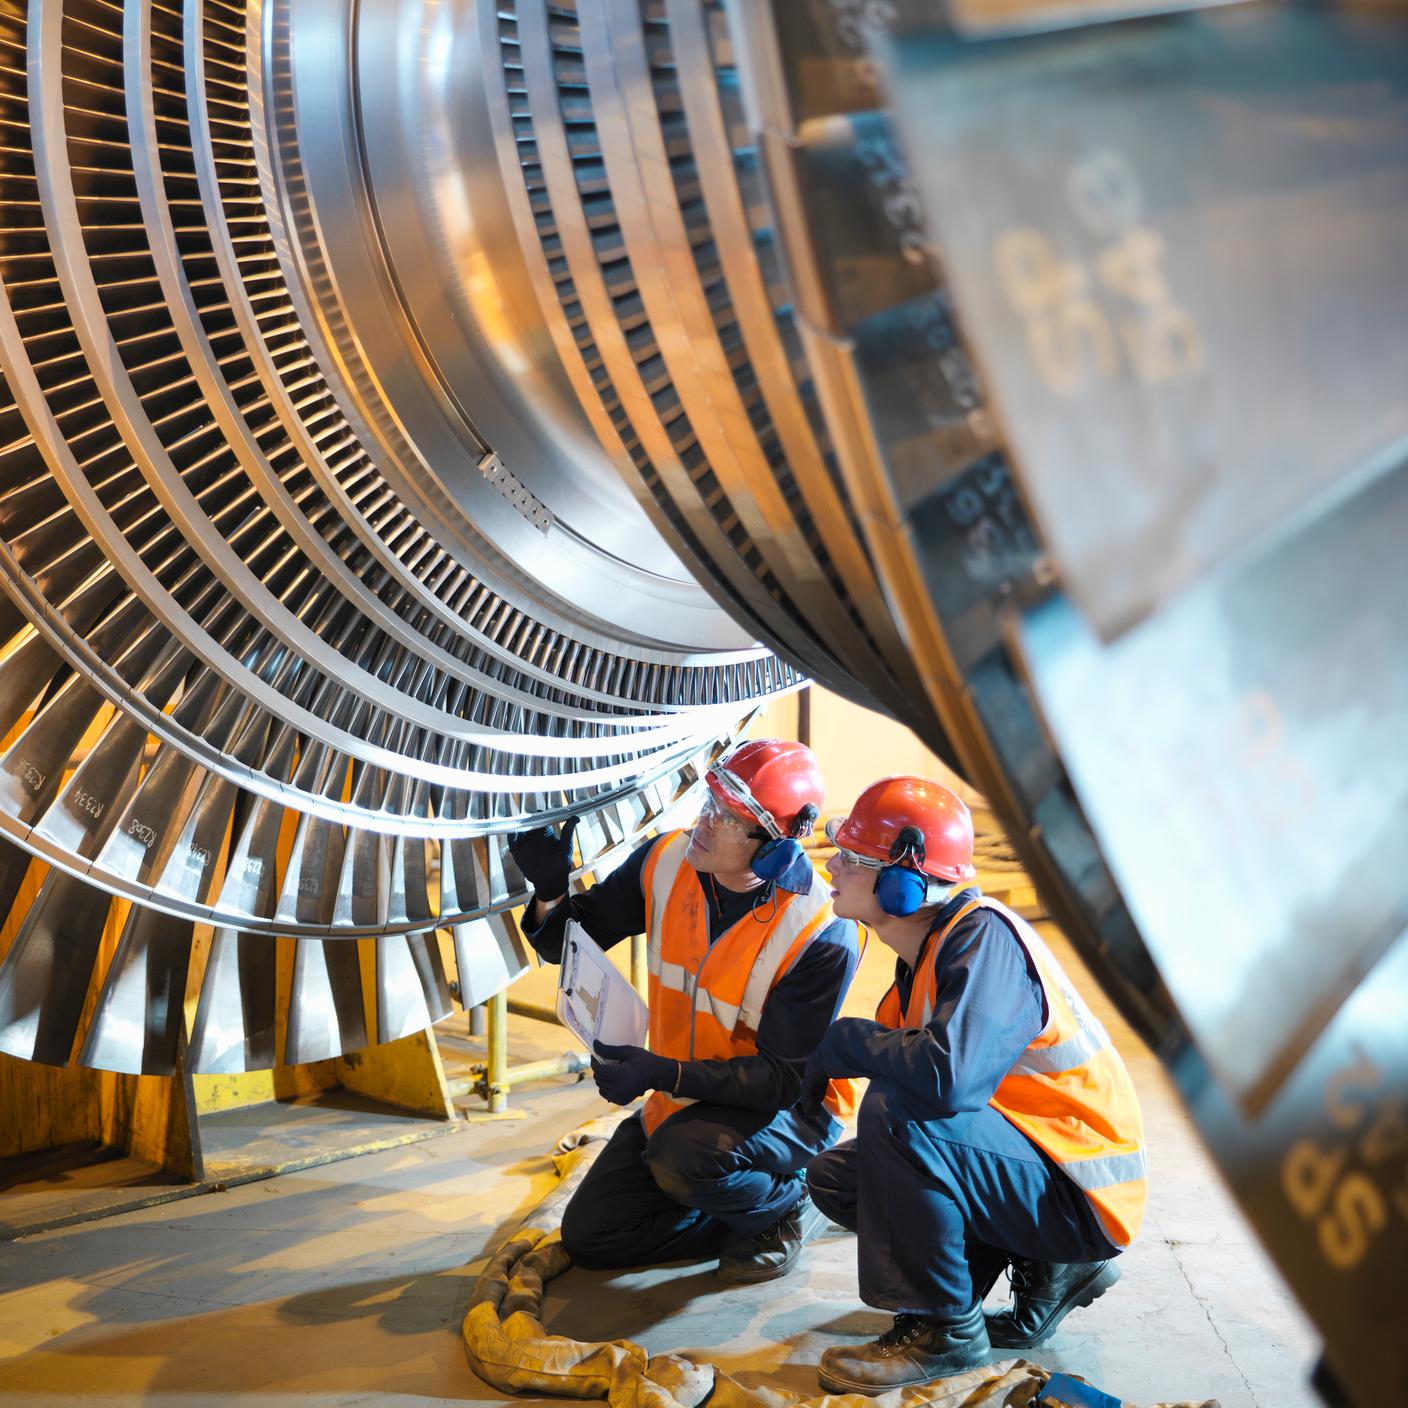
[624, 1073]
[545, 857]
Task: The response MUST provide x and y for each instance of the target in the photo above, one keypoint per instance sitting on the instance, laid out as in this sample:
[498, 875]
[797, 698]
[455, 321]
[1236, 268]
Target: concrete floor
[346, 1284]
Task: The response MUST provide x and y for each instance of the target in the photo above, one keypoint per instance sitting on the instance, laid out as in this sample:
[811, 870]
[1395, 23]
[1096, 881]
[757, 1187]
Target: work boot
[913, 1350]
[773, 1252]
[1043, 1294]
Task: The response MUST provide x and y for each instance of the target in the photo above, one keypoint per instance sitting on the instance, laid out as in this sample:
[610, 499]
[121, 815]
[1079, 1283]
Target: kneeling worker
[1000, 1126]
[748, 968]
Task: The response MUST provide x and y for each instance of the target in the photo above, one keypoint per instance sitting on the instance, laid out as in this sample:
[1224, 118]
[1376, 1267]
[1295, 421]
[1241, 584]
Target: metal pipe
[478, 1020]
[495, 1076]
[536, 1010]
[569, 1063]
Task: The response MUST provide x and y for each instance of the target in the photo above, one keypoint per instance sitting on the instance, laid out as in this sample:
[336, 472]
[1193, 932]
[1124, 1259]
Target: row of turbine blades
[113, 980]
[246, 692]
[669, 306]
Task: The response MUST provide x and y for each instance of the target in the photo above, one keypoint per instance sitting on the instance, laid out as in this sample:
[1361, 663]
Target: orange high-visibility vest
[706, 1001]
[1068, 1092]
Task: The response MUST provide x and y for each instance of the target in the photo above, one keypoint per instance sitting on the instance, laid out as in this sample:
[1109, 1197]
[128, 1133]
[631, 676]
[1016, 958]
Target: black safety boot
[1043, 1294]
[774, 1251]
[913, 1350]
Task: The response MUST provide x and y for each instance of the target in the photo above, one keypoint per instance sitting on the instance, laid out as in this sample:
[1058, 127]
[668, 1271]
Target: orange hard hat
[767, 782]
[886, 807]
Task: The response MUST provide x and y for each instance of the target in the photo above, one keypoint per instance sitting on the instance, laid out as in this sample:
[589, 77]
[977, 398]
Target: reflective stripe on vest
[1107, 1172]
[713, 1008]
[1046, 1060]
[662, 866]
[1068, 1092]
[676, 977]
[766, 970]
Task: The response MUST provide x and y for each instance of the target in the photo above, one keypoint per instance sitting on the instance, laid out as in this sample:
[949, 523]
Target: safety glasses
[852, 858]
[860, 862]
[713, 816]
[738, 791]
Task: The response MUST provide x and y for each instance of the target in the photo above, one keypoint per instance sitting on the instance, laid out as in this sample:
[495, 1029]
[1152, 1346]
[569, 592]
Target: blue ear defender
[778, 855]
[902, 887]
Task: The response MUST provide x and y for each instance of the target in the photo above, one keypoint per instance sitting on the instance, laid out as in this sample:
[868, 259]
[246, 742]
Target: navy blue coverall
[729, 1165]
[941, 1189]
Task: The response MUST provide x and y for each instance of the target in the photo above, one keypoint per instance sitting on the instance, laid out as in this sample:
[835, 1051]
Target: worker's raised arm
[610, 911]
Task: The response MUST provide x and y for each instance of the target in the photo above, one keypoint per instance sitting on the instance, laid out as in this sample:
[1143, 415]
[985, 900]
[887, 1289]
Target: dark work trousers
[709, 1175]
[939, 1205]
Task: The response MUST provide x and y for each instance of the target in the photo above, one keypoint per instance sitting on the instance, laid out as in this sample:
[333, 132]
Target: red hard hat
[886, 807]
[778, 777]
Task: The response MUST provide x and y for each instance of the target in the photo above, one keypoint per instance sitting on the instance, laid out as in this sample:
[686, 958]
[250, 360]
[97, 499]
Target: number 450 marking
[1069, 336]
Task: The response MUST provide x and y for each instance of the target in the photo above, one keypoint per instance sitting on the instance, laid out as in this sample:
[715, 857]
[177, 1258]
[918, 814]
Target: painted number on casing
[1074, 337]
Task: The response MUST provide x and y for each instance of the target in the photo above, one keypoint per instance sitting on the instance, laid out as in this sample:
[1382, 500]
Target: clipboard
[596, 1001]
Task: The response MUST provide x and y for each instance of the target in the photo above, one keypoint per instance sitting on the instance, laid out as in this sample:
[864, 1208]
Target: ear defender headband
[903, 888]
[777, 855]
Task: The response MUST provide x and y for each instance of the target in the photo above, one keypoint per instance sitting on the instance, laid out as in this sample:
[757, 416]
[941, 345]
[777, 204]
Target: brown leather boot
[773, 1252]
[913, 1350]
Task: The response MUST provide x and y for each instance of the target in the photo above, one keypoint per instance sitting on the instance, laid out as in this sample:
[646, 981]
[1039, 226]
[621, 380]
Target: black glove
[815, 1081]
[625, 1073]
[545, 857]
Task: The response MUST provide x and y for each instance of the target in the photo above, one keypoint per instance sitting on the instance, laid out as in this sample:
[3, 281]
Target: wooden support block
[154, 1119]
[150, 1117]
[243, 1088]
[406, 1073]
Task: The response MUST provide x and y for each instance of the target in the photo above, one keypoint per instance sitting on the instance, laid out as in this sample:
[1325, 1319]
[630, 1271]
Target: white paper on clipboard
[594, 999]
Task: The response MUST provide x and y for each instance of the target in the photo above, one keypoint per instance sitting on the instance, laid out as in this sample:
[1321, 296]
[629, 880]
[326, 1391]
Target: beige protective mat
[508, 1345]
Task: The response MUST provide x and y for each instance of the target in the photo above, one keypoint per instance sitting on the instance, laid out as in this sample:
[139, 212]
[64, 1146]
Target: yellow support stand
[495, 1082]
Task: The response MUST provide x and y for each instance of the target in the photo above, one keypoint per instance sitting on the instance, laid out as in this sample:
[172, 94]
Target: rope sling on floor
[509, 1347]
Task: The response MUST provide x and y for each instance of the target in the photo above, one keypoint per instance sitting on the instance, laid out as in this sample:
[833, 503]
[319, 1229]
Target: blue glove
[625, 1073]
[815, 1081]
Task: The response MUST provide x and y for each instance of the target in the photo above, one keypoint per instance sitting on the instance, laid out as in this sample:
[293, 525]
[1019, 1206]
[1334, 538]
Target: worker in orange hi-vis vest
[1000, 1129]
[748, 968]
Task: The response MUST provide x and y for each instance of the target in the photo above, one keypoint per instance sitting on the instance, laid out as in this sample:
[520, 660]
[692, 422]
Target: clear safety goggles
[852, 858]
[715, 818]
[859, 862]
[738, 791]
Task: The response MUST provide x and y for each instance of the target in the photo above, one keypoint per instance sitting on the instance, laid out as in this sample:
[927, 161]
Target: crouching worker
[748, 968]
[1000, 1126]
